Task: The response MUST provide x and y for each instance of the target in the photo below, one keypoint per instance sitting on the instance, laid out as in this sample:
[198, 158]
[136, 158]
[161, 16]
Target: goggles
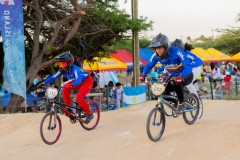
[62, 64]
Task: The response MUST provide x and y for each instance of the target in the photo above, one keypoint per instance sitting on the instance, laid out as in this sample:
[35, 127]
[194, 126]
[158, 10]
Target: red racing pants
[83, 89]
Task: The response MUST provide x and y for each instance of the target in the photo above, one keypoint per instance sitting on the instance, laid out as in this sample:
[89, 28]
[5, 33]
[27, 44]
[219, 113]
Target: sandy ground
[121, 135]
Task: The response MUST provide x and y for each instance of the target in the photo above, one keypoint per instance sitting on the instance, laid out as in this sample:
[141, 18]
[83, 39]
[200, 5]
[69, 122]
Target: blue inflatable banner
[134, 95]
[12, 31]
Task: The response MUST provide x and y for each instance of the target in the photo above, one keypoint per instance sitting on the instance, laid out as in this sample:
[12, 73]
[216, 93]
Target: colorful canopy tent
[218, 55]
[105, 77]
[235, 57]
[146, 54]
[203, 54]
[104, 64]
[127, 57]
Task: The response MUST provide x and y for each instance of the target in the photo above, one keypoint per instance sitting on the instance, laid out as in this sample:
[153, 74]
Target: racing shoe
[181, 108]
[89, 118]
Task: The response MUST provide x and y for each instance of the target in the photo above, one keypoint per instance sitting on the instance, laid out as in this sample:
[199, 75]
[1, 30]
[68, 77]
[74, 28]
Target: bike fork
[50, 126]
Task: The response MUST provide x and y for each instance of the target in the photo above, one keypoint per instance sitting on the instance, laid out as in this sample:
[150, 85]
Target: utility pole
[135, 46]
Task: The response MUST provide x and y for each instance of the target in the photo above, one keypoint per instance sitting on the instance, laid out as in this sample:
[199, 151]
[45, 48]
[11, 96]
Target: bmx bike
[156, 120]
[51, 125]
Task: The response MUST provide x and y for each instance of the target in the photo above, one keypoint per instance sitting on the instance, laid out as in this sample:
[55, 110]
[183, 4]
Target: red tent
[127, 57]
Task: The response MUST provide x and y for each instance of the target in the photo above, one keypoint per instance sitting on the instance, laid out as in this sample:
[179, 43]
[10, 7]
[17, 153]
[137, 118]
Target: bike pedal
[175, 115]
[73, 120]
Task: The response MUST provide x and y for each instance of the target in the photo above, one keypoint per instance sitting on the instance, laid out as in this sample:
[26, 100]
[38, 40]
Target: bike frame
[162, 100]
[63, 108]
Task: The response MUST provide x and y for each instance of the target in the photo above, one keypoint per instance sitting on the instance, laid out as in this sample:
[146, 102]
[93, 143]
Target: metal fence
[218, 89]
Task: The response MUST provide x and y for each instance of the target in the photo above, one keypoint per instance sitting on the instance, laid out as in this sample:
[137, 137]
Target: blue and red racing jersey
[194, 60]
[177, 62]
[75, 73]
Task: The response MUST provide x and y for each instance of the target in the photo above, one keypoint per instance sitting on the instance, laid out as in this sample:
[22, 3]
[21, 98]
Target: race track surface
[121, 135]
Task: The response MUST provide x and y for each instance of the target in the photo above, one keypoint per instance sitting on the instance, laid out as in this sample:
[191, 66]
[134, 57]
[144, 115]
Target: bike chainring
[174, 114]
[73, 120]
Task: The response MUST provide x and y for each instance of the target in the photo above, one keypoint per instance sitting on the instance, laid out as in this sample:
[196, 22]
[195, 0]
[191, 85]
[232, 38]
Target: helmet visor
[62, 64]
[155, 45]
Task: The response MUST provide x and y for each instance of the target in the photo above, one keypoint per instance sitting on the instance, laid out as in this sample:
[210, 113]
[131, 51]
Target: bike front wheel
[96, 116]
[50, 128]
[155, 124]
[200, 108]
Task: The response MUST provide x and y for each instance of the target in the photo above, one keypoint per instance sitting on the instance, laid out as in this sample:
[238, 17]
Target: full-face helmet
[178, 43]
[65, 60]
[160, 41]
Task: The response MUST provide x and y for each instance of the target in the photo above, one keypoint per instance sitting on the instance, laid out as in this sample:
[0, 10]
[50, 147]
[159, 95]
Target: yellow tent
[236, 57]
[219, 55]
[104, 64]
[203, 54]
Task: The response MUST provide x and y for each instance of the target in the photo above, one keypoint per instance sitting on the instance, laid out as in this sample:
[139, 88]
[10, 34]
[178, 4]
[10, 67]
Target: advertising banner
[12, 31]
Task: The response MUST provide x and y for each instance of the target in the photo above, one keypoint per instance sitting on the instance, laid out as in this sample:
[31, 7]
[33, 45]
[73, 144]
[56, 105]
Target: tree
[228, 41]
[55, 26]
[52, 27]
[127, 44]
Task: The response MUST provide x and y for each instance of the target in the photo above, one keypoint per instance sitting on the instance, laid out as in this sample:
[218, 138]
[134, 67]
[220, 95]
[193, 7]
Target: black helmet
[160, 41]
[188, 47]
[65, 57]
[178, 43]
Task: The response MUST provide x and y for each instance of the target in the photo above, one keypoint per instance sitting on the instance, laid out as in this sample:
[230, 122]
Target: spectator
[229, 69]
[204, 74]
[238, 71]
[35, 81]
[216, 73]
[154, 75]
[227, 80]
[110, 88]
[218, 92]
[117, 94]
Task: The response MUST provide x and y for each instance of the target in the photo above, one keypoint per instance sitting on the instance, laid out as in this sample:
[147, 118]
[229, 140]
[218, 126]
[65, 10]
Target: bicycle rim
[50, 132]
[155, 124]
[96, 116]
[191, 117]
[200, 108]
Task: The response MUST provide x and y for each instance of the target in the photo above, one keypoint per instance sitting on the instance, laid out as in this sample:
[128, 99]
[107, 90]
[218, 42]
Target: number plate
[51, 93]
[157, 89]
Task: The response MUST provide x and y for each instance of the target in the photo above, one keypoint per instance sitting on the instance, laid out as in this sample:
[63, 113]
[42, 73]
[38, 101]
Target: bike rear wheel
[192, 116]
[96, 116]
[155, 124]
[49, 130]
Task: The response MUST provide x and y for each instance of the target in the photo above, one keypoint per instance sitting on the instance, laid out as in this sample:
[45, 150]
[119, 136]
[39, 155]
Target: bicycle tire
[200, 108]
[161, 123]
[186, 92]
[96, 116]
[191, 97]
[49, 128]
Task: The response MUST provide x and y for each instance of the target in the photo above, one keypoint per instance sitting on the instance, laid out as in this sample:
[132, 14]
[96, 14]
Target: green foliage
[228, 42]
[144, 43]
[127, 44]
[103, 26]
[120, 44]
[52, 27]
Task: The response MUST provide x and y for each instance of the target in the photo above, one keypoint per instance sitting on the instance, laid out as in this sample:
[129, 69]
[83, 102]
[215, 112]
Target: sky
[183, 18]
